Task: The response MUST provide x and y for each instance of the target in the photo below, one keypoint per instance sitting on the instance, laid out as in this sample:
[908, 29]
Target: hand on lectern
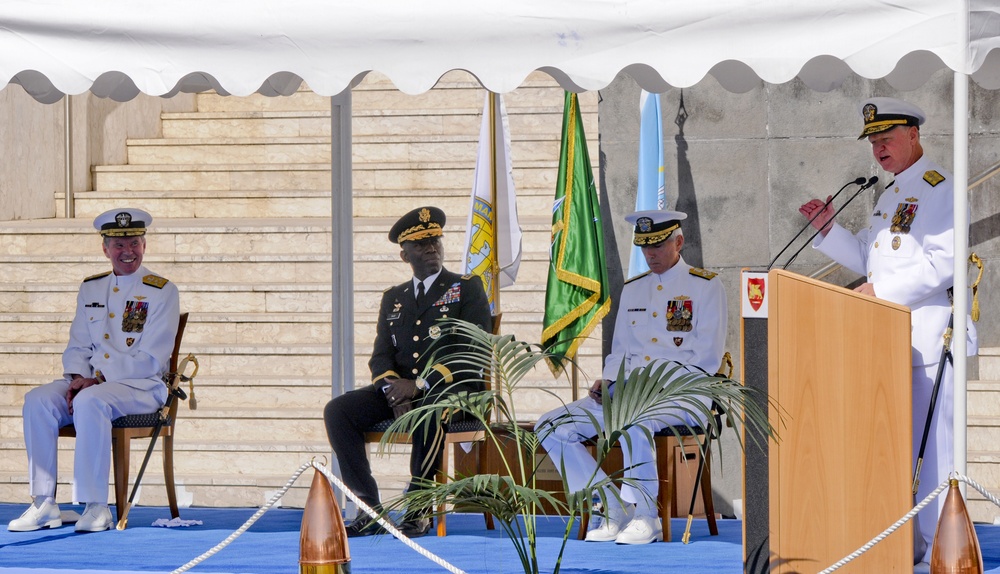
[866, 289]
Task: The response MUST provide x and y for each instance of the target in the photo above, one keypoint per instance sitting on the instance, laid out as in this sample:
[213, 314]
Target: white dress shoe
[96, 518]
[642, 530]
[43, 513]
[606, 528]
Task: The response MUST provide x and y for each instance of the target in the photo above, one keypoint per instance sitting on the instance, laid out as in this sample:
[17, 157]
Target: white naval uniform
[644, 334]
[913, 265]
[130, 349]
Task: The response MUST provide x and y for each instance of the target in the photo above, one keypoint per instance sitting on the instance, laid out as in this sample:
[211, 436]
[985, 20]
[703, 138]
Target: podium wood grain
[839, 367]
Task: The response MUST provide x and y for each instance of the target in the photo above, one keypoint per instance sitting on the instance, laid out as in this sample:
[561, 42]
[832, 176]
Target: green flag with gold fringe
[577, 295]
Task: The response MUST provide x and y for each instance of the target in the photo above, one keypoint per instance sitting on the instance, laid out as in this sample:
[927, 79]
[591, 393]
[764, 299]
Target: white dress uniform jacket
[679, 315]
[907, 253]
[123, 330]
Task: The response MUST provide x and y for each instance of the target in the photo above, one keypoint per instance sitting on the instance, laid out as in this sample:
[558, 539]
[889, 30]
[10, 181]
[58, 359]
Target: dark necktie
[420, 294]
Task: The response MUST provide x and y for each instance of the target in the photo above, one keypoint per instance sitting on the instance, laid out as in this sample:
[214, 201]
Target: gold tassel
[978, 262]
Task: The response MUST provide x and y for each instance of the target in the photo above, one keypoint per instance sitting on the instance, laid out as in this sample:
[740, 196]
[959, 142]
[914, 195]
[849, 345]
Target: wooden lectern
[838, 367]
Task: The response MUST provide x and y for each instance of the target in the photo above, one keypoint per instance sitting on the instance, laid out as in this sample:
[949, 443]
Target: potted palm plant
[511, 493]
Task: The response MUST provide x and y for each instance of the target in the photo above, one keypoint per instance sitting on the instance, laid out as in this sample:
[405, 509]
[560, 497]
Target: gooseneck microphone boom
[871, 181]
[857, 181]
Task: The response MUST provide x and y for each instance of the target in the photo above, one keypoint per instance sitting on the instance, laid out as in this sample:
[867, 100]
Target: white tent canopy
[119, 48]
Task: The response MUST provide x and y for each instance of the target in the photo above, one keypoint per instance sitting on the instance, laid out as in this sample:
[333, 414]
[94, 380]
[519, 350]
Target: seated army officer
[119, 349]
[407, 326]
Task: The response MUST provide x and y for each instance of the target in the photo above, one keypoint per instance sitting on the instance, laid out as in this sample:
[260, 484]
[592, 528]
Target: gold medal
[896, 243]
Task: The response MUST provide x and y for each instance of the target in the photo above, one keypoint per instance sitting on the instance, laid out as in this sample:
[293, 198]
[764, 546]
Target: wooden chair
[126, 428]
[455, 435]
[680, 447]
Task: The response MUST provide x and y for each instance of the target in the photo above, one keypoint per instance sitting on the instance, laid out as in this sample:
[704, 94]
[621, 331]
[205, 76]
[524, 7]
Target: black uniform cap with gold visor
[122, 222]
[654, 226]
[883, 114]
[421, 223]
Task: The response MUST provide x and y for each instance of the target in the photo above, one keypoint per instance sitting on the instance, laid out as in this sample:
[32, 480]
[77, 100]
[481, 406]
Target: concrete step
[984, 399]
[984, 468]
[182, 269]
[289, 204]
[238, 297]
[437, 174]
[542, 120]
[219, 489]
[309, 150]
[989, 363]
[984, 432]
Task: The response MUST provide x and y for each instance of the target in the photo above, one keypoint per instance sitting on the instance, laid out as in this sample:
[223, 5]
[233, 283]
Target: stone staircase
[240, 194]
[984, 436]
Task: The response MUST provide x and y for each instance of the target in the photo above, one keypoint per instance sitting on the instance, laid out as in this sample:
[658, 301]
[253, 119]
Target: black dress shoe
[364, 525]
[416, 527]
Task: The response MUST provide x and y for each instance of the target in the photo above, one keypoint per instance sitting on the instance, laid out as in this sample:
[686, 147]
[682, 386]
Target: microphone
[857, 181]
[871, 181]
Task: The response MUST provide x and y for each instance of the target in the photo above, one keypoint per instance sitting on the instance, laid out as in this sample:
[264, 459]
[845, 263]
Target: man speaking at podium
[906, 255]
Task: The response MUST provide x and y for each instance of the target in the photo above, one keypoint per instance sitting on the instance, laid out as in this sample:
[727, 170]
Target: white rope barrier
[391, 528]
[916, 509]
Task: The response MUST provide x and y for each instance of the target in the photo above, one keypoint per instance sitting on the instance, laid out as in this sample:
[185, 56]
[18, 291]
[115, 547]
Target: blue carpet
[271, 546]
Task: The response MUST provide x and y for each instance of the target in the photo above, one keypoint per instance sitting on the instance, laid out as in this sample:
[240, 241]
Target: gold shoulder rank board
[98, 276]
[155, 281]
[932, 177]
[703, 273]
[467, 277]
[637, 277]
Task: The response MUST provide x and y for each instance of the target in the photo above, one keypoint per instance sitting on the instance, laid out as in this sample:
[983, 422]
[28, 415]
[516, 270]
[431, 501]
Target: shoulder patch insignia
[932, 177]
[703, 273]
[155, 281]
[638, 277]
[467, 277]
[98, 276]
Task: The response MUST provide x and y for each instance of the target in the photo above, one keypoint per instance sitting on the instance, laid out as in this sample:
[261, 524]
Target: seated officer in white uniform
[906, 255]
[119, 350]
[673, 312]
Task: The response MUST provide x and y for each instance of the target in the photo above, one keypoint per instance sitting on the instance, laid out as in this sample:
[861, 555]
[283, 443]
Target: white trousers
[939, 453]
[571, 425]
[45, 411]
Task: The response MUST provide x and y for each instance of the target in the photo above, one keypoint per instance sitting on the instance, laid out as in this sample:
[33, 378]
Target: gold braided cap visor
[123, 232]
[882, 126]
[654, 237]
[418, 232]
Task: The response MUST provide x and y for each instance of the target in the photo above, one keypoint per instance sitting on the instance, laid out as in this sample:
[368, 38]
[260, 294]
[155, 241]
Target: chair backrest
[174, 361]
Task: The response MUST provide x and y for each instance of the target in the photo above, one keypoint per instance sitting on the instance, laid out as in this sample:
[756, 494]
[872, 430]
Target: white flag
[493, 232]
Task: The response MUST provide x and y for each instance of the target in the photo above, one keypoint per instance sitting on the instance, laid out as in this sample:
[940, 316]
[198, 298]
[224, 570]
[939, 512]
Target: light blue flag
[650, 194]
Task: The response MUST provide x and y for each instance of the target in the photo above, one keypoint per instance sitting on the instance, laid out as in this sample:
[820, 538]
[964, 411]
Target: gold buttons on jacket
[655, 314]
[659, 287]
[414, 371]
[115, 289]
[647, 357]
[869, 274]
[416, 337]
[876, 245]
[112, 315]
[418, 321]
[415, 355]
[107, 336]
[107, 356]
[654, 339]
